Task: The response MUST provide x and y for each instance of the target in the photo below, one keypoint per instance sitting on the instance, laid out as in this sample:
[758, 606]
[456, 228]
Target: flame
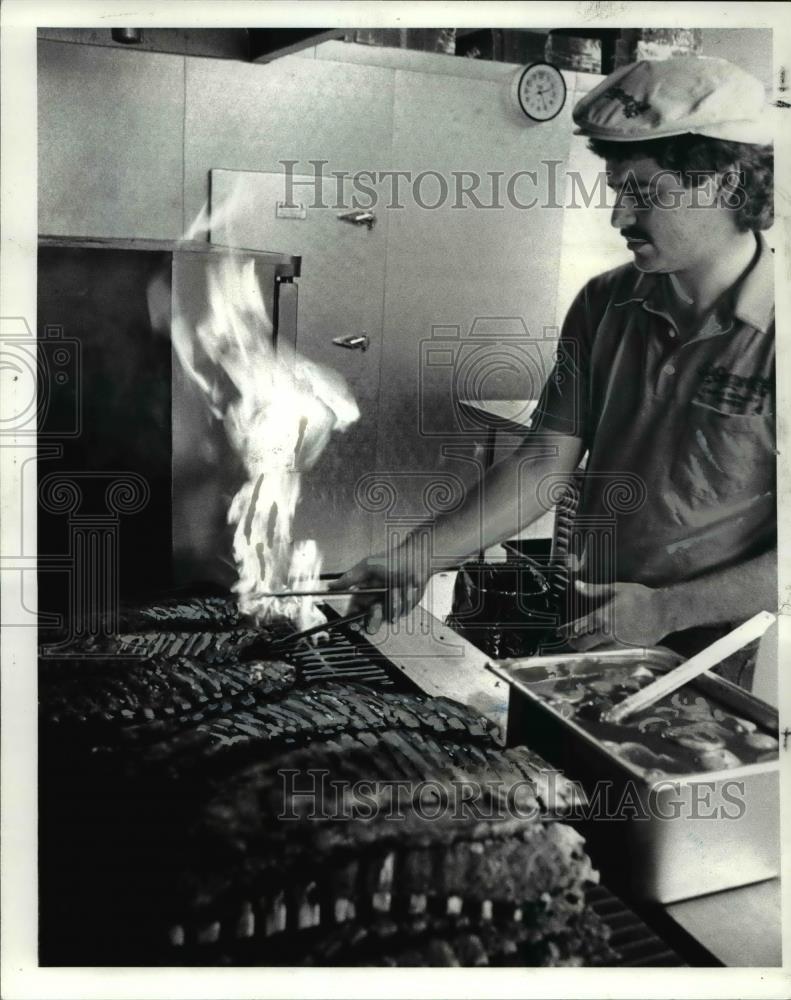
[278, 417]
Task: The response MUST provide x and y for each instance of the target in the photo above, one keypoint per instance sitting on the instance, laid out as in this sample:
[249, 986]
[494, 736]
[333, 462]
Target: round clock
[540, 91]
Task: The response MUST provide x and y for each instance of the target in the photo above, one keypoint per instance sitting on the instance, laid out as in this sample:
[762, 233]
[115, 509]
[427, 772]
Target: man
[664, 379]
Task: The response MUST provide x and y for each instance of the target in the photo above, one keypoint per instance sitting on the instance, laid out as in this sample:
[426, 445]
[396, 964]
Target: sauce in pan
[683, 733]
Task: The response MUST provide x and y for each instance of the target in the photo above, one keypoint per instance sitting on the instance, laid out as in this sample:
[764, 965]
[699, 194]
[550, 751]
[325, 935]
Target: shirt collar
[754, 294]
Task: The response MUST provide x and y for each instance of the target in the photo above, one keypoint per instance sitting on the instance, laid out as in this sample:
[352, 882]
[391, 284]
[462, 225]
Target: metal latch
[360, 217]
[353, 341]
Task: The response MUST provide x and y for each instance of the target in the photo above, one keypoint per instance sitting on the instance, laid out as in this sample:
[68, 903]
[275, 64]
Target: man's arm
[508, 498]
[506, 501]
[637, 615]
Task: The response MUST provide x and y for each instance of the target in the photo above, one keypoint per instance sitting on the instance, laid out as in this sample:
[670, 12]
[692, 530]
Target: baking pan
[666, 839]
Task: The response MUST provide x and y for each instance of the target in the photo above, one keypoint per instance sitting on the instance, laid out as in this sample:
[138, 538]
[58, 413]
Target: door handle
[359, 217]
[353, 341]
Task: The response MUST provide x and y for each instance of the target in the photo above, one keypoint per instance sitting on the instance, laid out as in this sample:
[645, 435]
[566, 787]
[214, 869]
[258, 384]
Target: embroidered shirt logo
[732, 393]
[631, 106]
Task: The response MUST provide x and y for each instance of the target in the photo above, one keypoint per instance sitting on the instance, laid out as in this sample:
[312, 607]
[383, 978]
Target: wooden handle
[709, 657]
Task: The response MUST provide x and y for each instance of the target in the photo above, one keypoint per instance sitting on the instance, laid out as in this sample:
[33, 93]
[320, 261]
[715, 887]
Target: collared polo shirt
[679, 425]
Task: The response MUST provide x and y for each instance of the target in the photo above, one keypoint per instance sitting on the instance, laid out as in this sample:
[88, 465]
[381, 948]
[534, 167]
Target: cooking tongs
[264, 648]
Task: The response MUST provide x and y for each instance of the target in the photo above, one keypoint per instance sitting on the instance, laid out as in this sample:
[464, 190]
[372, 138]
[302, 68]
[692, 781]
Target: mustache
[634, 234]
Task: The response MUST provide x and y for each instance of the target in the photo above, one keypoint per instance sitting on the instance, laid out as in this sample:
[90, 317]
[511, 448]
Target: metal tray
[677, 838]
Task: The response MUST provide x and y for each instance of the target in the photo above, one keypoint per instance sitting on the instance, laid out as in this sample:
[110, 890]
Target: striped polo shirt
[679, 424]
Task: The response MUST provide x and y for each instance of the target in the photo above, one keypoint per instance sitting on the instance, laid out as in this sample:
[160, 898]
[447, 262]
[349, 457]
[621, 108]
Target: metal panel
[267, 44]
[442, 663]
[678, 849]
[110, 132]
[250, 117]
[470, 277]
[340, 293]
[283, 265]
[206, 473]
[755, 910]
[105, 402]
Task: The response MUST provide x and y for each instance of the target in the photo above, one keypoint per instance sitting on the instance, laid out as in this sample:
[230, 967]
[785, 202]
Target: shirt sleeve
[564, 405]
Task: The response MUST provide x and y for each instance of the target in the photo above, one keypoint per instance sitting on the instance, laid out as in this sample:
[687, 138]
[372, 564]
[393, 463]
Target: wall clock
[540, 91]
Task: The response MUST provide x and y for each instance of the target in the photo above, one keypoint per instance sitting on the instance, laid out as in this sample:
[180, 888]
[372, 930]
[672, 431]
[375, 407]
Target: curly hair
[695, 154]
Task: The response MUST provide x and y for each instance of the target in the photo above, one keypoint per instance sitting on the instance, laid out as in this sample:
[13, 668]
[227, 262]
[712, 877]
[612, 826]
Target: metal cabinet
[121, 491]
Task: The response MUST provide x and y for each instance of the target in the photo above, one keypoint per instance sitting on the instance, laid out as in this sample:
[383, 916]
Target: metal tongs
[263, 648]
[351, 592]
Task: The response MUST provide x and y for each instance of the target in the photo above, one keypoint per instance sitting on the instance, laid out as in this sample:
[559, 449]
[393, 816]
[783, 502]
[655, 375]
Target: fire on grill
[213, 794]
[197, 809]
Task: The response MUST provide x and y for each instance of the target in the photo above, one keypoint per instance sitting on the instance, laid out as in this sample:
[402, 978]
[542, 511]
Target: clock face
[541, 91]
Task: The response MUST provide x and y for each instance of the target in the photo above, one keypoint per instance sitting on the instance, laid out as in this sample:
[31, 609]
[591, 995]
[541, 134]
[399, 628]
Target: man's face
[667, 226]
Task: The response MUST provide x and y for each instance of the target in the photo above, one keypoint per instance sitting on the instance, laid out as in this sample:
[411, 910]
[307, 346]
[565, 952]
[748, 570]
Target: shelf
[285, 265]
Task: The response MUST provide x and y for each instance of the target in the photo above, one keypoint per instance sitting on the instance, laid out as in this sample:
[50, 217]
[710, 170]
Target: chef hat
[652, 99]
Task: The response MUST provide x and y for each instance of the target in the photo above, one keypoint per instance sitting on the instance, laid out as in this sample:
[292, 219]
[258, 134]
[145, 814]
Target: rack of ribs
[169, 833]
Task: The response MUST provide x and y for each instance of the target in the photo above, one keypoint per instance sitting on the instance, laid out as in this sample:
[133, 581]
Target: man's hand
[401, 576]
[626, 614]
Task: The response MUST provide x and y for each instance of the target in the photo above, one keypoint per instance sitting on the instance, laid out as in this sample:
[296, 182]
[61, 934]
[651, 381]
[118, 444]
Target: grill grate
[347, 655]
[177, 633]
[342, 660]
[633, 940]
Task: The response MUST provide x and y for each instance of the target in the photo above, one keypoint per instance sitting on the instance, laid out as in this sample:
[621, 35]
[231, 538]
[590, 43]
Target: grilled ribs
[316, 712]
[182, 843]
[157, 689]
